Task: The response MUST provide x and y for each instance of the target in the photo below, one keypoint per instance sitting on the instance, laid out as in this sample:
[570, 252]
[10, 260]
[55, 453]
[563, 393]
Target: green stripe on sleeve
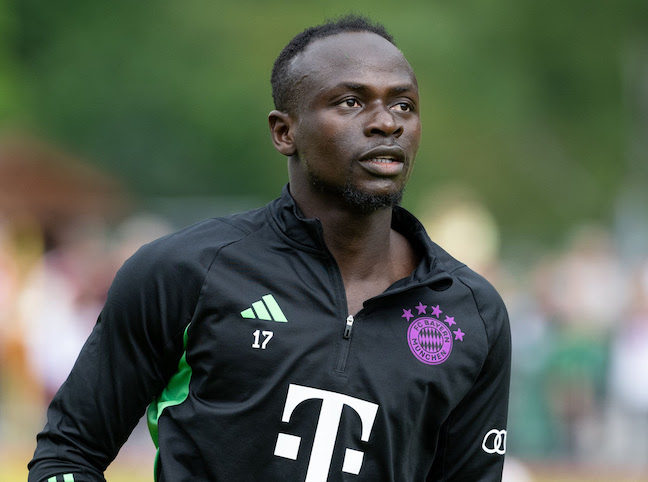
[176, 392]
[68, 478]
[52, 479]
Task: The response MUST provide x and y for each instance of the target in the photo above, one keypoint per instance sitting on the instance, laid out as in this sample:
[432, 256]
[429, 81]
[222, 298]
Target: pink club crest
[430, 339]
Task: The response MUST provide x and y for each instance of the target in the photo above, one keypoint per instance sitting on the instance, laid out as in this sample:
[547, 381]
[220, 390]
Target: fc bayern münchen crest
[430, 340]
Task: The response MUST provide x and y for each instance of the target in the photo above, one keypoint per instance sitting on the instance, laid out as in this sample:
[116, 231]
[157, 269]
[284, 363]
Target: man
[323, 337]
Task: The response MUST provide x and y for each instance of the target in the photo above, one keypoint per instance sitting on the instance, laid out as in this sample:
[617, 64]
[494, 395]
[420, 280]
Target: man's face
[356, 127]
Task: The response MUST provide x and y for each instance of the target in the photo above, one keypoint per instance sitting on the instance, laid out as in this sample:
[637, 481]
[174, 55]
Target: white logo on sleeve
[326, 431]
[495, 442]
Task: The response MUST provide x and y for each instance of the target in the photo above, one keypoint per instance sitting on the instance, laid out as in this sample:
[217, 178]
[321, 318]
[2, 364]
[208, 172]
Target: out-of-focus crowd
[579, 320]
[53, 284]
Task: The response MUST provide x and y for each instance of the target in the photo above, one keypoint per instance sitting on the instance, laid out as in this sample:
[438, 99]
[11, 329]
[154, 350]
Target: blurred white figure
[60, 302]
[64, 294]
[515, 471]
[629, 381]
[589, 285]
[55, 330]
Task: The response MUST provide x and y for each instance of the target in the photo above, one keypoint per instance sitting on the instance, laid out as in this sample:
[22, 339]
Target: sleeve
[131, 353]
[472, 440]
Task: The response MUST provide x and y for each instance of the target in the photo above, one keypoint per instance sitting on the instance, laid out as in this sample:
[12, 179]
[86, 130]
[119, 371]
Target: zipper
[345, 345]
[348, 328]
[343, 352]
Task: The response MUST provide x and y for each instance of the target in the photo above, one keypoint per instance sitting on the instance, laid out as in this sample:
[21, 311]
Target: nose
[383, 122]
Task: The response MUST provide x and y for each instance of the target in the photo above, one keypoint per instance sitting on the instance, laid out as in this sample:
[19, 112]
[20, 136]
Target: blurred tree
[528, 107]
[522, 101]
[9, 90]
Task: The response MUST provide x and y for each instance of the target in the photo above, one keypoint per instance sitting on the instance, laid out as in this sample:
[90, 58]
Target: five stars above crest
[435, 311]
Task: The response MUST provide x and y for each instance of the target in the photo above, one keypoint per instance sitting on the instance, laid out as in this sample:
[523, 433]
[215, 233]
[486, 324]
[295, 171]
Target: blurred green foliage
[526, 103]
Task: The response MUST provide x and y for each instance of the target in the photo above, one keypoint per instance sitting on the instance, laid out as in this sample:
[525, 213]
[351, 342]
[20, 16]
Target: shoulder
[485, 296]
[199, 242]
[182, 259]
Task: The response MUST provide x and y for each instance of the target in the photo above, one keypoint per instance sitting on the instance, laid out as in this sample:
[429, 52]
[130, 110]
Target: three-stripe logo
[64, 478]
[266, 309]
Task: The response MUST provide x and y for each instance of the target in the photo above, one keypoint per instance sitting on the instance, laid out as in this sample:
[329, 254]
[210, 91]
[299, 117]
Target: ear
[281, 130]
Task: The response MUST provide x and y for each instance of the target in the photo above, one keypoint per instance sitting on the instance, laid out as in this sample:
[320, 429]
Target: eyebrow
[362, 88]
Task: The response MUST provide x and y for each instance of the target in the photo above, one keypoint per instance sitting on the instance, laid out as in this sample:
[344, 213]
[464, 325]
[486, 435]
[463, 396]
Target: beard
[357, 199]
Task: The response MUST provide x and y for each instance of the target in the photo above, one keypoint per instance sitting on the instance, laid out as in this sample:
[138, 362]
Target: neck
[362, 243]
[369, 253]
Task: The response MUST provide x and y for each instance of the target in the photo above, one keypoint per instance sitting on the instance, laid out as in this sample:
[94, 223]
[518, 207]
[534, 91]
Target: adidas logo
[265, 309]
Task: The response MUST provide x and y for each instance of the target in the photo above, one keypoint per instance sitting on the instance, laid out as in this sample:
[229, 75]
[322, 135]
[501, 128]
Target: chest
[259, 329]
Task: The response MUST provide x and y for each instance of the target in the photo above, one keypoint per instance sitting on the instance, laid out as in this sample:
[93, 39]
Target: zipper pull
[348, 327]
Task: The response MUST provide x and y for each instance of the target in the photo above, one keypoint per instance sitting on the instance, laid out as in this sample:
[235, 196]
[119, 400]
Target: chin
[368, 202]
[360, 198]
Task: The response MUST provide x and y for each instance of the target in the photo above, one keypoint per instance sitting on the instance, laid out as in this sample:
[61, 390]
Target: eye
[403, 107]
[351, 102]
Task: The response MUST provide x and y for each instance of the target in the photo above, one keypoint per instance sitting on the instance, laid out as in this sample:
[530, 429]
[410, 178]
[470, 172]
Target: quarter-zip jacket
[235, 333]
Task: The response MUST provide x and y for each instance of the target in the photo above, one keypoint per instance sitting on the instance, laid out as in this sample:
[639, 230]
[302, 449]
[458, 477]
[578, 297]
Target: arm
[132, 351]
[472, 440]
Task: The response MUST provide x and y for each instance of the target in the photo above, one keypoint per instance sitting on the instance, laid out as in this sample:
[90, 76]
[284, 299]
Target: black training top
[235, 333]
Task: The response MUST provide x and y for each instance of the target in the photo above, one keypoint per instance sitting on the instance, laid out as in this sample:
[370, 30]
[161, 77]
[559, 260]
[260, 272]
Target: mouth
[381, 159]
[384, 161]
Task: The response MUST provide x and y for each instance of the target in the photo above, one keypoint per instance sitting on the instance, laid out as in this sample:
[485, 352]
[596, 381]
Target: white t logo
[326, 431]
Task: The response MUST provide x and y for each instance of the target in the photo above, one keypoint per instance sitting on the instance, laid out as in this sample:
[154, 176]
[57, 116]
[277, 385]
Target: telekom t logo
[326, 431]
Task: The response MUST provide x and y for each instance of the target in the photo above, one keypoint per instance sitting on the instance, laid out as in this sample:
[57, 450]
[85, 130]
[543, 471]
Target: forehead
[350, 57]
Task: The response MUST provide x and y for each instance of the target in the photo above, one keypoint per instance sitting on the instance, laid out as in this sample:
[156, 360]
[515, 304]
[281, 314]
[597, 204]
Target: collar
[308, 235]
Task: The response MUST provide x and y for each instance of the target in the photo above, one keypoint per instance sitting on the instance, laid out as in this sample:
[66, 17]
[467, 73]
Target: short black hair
[283, 94]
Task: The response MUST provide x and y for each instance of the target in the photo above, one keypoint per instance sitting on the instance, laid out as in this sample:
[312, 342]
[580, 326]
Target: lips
[384, 161]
